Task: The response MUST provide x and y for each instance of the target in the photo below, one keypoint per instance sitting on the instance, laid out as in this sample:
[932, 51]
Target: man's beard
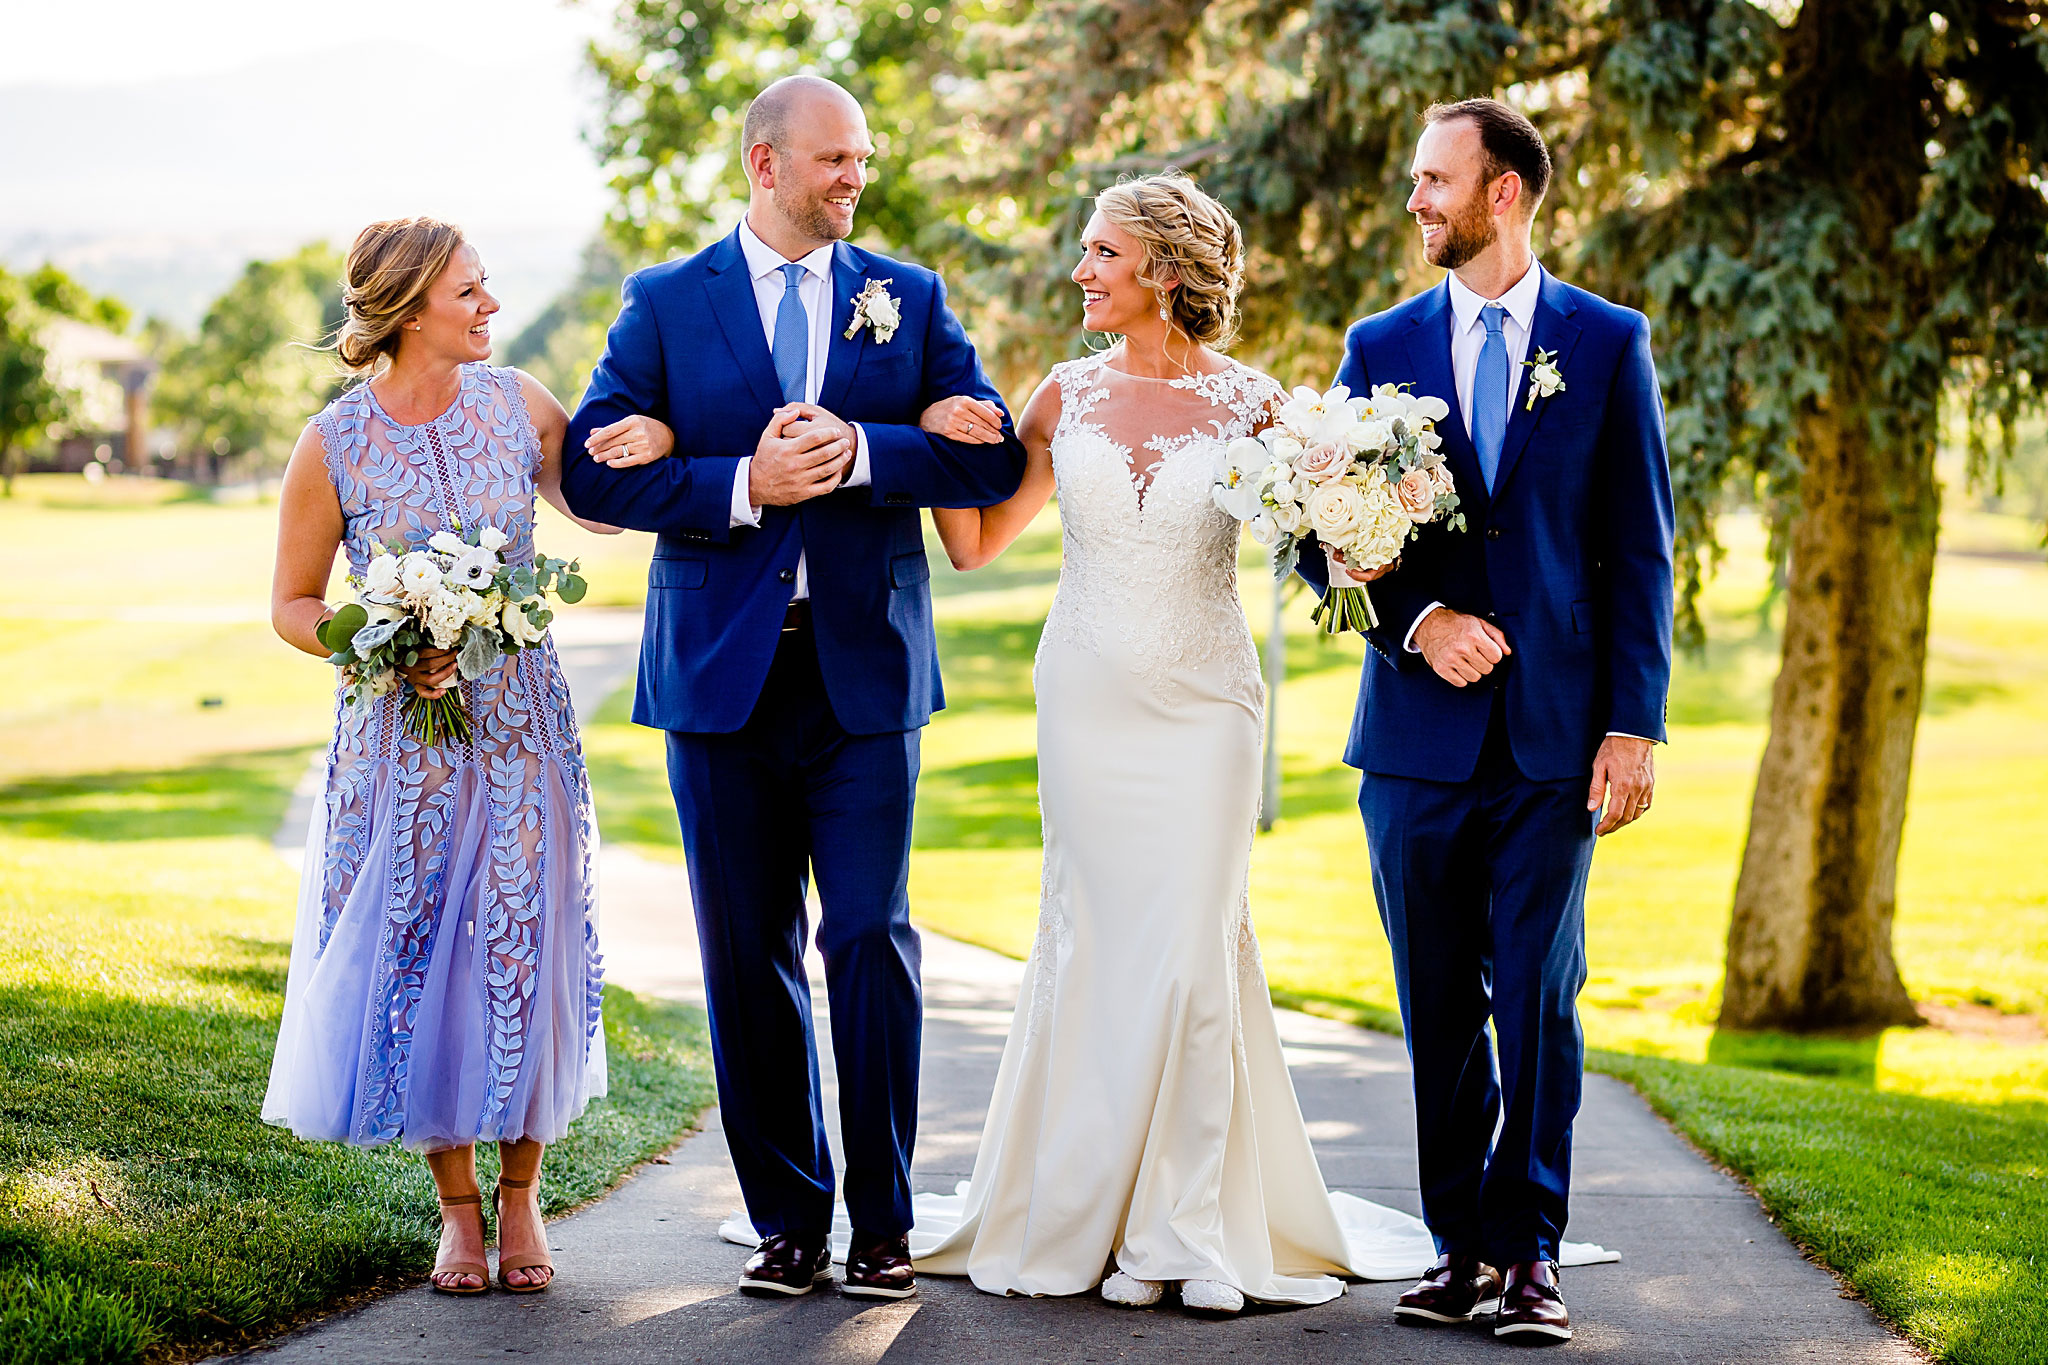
[808, 216]
[1465, 235]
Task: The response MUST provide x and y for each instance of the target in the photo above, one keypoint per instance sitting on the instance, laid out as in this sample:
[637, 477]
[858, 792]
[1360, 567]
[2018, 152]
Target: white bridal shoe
[1209, 1296]
[1132, 1292]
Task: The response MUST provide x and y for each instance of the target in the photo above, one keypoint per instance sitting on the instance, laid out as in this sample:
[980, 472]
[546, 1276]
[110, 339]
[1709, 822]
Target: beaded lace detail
[473, 465]
[1149, 562]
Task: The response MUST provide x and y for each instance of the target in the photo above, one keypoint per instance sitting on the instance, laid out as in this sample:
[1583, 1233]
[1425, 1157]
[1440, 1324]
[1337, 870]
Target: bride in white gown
[1143, 1121]
[1143, 1115]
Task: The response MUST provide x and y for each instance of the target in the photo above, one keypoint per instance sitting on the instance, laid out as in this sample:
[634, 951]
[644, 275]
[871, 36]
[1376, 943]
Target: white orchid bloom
[1238, 478]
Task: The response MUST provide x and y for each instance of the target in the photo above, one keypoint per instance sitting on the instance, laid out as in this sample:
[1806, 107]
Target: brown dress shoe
[1456, 1287]
[879, 1268]
[784, 1264]
[1531, 1308]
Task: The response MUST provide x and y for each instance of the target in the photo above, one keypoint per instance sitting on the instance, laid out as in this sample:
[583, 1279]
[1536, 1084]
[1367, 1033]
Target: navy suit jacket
[688, 348]
[1570, 556]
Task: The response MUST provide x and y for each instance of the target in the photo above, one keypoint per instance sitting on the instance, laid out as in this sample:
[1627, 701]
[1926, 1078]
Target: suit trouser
[789, 794]
[1482, 889]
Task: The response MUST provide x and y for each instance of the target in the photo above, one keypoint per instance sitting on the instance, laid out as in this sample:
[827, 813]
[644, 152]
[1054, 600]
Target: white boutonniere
[873, 308]
[1544, 378]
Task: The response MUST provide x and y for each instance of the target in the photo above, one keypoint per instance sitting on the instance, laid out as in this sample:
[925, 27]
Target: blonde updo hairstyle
[390, 268]
[1188, 237]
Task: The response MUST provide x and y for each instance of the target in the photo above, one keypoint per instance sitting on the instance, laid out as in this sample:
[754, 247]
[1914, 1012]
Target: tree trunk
[1811, 943]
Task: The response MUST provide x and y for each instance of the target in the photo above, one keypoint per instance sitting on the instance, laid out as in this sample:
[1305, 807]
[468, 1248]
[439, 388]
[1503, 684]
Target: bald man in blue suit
[789, 652]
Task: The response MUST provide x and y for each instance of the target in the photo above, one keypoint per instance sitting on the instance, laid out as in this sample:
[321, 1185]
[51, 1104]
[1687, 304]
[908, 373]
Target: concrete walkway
[1704, 1276]
[643, 1277]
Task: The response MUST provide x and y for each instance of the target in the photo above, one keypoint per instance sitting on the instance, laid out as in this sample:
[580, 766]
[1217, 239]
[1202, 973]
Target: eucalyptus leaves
[454, 594]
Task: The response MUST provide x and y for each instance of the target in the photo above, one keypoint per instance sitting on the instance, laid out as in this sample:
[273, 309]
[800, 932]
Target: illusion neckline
[1190, 377]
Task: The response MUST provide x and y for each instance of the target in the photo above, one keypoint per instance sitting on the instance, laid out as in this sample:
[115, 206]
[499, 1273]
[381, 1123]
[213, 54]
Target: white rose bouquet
[454, 594]
[1361, 475]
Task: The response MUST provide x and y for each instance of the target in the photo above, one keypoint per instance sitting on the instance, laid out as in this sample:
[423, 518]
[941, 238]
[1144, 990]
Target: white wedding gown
[1143, 1118]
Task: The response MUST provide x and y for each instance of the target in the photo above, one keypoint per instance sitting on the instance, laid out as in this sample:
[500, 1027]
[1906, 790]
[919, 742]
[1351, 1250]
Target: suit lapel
[1550, 329]
[739, 318]
[849, 276]
[1429, 353]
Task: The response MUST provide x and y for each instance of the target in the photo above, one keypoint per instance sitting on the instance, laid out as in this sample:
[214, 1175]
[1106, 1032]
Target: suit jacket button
[787, 575]
[1493, 533]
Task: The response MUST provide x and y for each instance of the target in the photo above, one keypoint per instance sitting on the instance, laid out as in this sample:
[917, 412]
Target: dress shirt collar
[763, 259]
[1520, 300]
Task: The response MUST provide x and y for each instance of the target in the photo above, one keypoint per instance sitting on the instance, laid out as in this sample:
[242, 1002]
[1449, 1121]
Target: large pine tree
[1833, 212]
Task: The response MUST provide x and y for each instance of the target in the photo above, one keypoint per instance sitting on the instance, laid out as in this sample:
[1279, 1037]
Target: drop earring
[1164, 316]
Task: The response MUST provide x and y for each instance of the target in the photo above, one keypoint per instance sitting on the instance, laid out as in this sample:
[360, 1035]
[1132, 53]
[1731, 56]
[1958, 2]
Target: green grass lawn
[145, 1211]
[1911, 1163]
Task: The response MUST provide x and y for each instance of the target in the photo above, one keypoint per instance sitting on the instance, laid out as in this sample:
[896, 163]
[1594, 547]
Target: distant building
[106, 377]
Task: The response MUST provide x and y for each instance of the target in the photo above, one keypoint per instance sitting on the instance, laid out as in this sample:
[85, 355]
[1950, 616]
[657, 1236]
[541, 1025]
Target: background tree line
[1832, 211]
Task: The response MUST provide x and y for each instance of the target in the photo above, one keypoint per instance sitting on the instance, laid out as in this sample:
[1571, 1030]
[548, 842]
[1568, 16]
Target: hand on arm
[975, 421]
[551, 426]
[630, 441]
[974, 536]
[910, 465]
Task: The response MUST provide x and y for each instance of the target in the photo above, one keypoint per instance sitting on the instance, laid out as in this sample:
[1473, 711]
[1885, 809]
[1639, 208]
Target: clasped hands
[804, 452]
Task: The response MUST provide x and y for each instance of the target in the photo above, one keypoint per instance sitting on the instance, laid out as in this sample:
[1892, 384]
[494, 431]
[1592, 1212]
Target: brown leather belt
[798, 617]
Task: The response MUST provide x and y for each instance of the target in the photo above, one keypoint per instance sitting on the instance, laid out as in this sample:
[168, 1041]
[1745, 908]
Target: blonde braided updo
[1188, 237]
[390, 268]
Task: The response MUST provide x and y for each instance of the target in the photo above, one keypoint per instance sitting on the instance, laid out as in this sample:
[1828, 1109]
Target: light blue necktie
[1489, 394]
[792, 348]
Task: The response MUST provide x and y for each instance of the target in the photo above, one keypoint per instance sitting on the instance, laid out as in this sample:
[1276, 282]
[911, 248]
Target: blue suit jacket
[688, 348]
[1570, 556]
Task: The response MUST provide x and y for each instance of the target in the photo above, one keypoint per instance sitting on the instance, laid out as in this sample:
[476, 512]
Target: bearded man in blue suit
[789, 651]
[1512, 696]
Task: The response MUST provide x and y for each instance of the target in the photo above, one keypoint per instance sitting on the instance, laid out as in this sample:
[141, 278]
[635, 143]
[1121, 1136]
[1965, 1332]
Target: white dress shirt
[1468, 336]
[764, 265]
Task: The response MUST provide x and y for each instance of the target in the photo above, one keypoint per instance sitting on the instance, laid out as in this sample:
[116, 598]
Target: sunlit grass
[145, 922]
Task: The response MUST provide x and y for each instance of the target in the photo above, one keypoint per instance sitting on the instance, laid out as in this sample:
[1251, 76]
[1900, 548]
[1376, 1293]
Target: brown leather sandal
[531, 1261]
[476, 1268]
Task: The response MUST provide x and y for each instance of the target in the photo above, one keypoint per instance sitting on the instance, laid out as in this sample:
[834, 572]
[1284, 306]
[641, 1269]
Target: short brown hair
[390, 268]
[1507, 140]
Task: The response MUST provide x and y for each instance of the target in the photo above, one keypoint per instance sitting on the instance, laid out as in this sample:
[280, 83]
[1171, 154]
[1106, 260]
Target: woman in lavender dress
[445, 979]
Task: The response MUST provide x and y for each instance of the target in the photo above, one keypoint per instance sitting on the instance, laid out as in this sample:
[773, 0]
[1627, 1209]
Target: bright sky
[138, 131]
[103, 42]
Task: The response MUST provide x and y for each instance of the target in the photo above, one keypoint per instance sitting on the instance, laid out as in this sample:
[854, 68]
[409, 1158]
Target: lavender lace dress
[445, 976]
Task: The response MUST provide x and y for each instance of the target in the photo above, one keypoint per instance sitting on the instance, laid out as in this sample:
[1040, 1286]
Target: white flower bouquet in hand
[1359, 475]
[455, 594]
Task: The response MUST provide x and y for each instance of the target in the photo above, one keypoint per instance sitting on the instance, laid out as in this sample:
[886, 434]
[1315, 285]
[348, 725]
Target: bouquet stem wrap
[1345, 609]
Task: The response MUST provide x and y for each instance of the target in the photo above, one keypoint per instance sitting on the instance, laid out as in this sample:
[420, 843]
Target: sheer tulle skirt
[379, 1045]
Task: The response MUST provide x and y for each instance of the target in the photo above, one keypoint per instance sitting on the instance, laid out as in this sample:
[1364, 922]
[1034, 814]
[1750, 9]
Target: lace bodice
[1149, 564]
